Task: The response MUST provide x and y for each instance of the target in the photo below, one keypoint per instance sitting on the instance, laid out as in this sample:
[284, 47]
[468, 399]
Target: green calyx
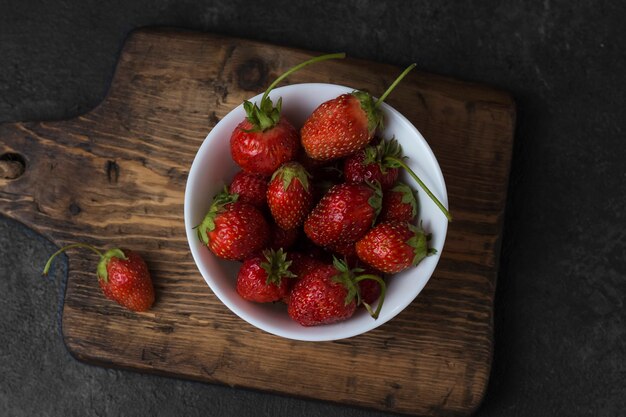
[220, 201]
[102, 264]
[347, 277]
[276, 266]
[290, 171]
[408, 196]
[374, 115]
[104, 261]
[419, 243]
[382, 153]
[376, 200]
[371, 107]
[265, 116]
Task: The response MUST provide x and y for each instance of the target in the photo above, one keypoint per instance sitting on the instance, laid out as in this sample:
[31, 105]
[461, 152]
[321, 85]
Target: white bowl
[213, 167]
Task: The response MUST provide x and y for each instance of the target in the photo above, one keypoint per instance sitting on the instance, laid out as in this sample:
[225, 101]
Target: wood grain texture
[116, 176]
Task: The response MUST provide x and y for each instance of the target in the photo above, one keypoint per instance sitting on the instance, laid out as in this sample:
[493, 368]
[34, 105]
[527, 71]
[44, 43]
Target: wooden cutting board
[116, 176]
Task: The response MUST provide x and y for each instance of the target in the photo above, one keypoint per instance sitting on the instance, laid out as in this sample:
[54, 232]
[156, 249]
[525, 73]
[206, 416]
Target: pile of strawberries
[317, 216]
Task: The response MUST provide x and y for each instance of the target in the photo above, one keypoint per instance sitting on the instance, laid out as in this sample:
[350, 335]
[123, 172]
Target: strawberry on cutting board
[265, 278]
[345, 124]
[392, 247]
[289, 195]
[265, 140]
[122, 275]
[344, 214]
[232, 229]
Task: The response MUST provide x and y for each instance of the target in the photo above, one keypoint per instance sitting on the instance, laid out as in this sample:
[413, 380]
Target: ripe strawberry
[327, 294]
[281, 238]
[343, 125]
[265, 278]
[264, 140]
[232, 229]
[399, 204]
[344, 214]
[251, 189]
[301, 265]
[369, 289]
[369, 164]
[394, 246]
[289, 196]
[123, 277]
[346, 251]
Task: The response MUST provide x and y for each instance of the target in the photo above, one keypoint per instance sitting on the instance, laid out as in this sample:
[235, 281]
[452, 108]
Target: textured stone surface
[560, 316]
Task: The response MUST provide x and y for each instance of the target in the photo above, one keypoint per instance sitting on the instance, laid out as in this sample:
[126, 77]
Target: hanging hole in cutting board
[12, 165]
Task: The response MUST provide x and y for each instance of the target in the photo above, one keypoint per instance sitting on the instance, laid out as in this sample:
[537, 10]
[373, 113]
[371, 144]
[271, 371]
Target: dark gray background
[560, 315]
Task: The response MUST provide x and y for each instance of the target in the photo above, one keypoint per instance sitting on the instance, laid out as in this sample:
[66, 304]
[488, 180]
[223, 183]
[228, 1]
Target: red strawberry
[301, 265]
[327, 294]
[281, 238]
[232, 229]
[344, 214]
[394, 246]
[343, 125]
[369, 164]
[399, 204]
[369, 289]
[123, 277]
[265, 278]
[289, 196]
[251, 189]
[347, 252]
[264, 140]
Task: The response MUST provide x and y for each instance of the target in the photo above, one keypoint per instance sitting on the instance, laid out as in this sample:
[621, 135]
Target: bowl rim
[191, 234]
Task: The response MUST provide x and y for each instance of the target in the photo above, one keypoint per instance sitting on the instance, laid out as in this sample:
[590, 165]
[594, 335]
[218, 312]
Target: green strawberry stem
[393, 85]
[298, 67]
[401, 163]
[46, 269]
[381, 299]
[265, 115]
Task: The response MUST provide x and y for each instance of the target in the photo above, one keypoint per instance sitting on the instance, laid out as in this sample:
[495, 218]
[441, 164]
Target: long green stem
[394, 84]
[63, 249]
[299, 66]
[381, 299]
[421, 183]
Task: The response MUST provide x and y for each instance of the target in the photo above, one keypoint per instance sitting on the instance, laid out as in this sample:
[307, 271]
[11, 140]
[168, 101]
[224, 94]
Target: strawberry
[289, 196]
[328, 294]
[123, 277]
[345, 124]
[264, 140]
[394, 246]
[369, 164]
[232, 229]
[344, 214]
[281, 238]
[399, 204]
[265, 278]
[301, 265]
[251, 189]
[369, 289]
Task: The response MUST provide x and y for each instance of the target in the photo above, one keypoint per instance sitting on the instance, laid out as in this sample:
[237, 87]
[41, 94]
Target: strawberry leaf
[408, 196]
[419, 243]
[373, 113]
[376, 200]
[276, 266]
[219, 204]
[291, 171]
[104, 261]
